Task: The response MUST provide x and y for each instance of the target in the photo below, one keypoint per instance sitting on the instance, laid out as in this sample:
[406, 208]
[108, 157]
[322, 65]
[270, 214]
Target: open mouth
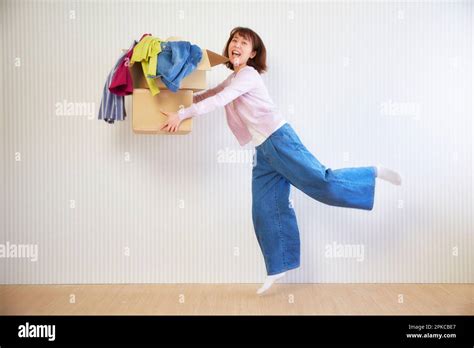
[235, 53]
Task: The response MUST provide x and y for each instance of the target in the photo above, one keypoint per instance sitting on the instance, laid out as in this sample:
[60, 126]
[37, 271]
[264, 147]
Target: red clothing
[122, 83]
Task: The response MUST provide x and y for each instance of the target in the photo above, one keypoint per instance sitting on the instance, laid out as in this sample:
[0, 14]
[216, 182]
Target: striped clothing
[112, 106]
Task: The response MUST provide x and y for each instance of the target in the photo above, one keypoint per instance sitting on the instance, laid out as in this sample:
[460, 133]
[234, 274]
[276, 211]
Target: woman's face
[240, 50]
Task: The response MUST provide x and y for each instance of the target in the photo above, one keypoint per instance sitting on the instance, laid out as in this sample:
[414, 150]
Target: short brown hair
[259, 62]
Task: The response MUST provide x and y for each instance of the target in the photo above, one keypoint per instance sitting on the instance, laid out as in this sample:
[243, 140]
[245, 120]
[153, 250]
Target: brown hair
[259, 62]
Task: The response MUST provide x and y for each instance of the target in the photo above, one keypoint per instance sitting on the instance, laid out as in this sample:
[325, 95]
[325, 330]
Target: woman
[281, 158]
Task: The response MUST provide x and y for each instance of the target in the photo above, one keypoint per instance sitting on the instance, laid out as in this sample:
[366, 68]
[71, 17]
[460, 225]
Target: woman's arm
[208, 92]
[242, 83]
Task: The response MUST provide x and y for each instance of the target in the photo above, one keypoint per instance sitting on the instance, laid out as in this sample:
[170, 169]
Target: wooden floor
[212, 299]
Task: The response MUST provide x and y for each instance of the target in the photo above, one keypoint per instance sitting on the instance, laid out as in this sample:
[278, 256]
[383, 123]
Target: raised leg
[345, 187]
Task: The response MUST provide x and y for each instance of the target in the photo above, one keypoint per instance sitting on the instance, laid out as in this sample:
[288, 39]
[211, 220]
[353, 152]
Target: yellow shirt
[146, 52]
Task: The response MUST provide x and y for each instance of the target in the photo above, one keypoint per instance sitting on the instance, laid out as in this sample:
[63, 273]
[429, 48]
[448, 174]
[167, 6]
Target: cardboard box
[146, 115]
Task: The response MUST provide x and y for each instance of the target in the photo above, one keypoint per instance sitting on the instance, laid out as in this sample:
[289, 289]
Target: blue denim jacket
[177, 60]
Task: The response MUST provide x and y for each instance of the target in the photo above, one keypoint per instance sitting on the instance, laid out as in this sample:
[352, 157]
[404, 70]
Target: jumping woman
[280, 157]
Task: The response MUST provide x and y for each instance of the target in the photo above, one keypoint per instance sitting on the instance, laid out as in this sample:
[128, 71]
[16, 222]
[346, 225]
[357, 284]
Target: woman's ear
[254, 53]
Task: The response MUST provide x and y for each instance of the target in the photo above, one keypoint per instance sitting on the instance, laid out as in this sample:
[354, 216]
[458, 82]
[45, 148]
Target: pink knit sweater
[246, 101]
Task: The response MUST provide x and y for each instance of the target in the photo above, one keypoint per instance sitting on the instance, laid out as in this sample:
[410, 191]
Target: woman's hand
[173, 121]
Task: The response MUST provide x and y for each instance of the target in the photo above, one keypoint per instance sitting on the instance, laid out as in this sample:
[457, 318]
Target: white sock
[269, 282]
[389, 175]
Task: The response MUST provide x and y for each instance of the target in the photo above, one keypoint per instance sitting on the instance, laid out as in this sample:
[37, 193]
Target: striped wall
[362, 83]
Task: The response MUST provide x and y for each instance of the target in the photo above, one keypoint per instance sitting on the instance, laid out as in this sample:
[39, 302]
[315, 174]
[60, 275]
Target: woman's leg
[345, 187]
[388, 175]
[274, 219]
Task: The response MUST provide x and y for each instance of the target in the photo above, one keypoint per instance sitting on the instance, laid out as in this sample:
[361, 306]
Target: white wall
[362, 83]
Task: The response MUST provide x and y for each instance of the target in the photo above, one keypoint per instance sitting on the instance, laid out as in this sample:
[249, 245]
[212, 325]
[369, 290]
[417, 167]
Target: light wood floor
[212, 299]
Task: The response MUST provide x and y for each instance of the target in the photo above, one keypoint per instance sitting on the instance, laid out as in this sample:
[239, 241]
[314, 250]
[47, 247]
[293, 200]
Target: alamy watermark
[27, 251]
[67, 108]
[394, 108]
[37, 331]
[236, 156]
[335, 250]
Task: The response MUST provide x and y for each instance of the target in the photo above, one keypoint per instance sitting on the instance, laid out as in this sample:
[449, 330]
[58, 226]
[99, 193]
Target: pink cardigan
[246, 102]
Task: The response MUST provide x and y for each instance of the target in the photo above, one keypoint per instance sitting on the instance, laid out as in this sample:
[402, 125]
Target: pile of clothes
[171, 61]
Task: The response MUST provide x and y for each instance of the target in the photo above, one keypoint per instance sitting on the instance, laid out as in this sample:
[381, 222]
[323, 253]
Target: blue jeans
[177, 60]
[282, 160]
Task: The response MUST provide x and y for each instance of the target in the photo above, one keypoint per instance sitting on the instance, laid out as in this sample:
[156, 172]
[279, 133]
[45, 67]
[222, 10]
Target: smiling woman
[245, 47]
[281, 158]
